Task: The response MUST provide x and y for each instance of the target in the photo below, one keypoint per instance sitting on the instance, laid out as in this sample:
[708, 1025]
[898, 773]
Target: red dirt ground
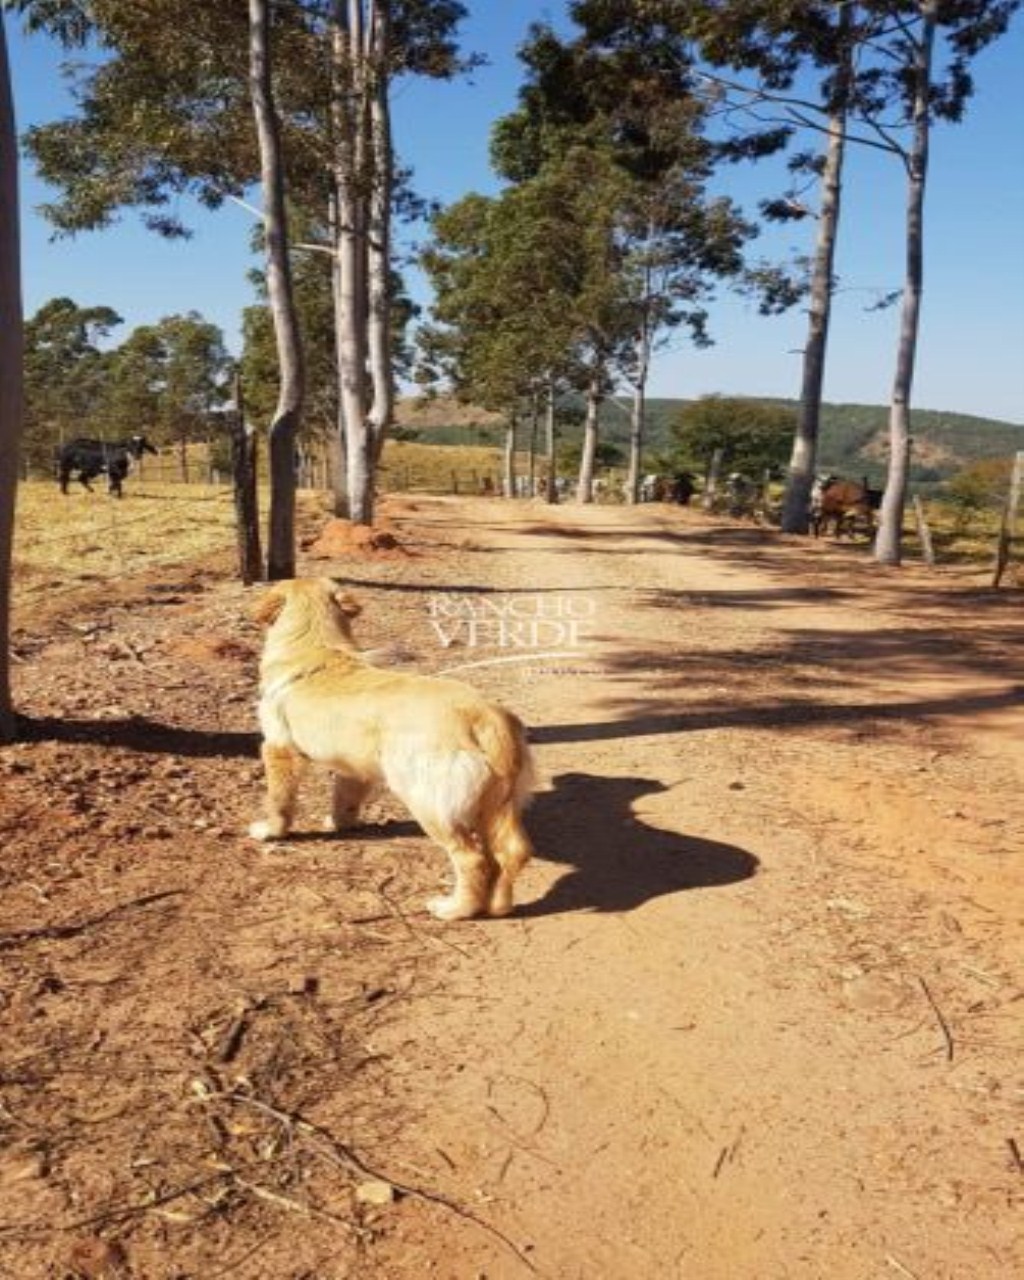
[757, 1016]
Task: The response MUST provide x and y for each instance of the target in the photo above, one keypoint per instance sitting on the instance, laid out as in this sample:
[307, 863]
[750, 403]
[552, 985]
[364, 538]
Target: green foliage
[853, 437]
[753, 436]
[517, 280]
[606, 454]
[979, 488]
[66, 374]
[165, 380]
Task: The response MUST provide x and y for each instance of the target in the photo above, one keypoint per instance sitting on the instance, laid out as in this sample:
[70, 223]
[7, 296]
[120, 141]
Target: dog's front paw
[450, 908]
[264, 830]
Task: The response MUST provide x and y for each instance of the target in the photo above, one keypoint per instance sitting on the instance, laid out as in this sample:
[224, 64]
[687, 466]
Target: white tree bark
[11, 378]
[551, 492]
[363, 177]
[796, 506]
[585, 484]
[283, 431]
[889, 541]
[378, 246]
[508, 479]
[637, 415]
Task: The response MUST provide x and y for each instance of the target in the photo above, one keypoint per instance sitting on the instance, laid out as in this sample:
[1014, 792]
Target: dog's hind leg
[475, 873]
[347, 794]
[512, 850]
[284, 769]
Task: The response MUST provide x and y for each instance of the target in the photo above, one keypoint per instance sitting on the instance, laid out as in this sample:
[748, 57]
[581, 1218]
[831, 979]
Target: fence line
[115, 522]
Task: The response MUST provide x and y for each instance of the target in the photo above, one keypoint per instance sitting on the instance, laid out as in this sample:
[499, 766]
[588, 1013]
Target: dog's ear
[267, 607]
[348, 604]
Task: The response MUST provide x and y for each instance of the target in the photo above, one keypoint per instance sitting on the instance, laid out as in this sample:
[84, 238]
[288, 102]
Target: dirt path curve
[756, 1017]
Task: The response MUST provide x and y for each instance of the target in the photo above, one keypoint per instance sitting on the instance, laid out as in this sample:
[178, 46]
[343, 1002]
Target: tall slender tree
[10, 371]
[280, 291]
[920, 33]
[168, 111]
[625, 87]
[67, 374]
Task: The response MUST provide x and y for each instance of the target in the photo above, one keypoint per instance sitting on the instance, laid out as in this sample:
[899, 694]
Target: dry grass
[65, 542]
[409, 465]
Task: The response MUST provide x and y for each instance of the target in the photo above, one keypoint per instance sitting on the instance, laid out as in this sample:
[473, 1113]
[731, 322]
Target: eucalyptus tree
[191, 370]
[67, 374]
[502, 270]
[10, 371]
[281, 296]
[926, 70]
[625, 89]
[877, 86]
[372, 43]
[134, 381]
[170, 110]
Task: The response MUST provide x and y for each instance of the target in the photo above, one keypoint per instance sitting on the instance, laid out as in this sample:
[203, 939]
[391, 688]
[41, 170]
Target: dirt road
[759, 1014]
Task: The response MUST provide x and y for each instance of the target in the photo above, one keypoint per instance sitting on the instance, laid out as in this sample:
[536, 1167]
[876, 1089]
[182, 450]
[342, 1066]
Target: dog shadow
[617, 862]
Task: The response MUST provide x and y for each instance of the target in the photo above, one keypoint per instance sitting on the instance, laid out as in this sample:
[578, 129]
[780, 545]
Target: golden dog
[459, 763]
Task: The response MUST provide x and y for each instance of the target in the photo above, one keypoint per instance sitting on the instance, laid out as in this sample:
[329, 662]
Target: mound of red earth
[340, 538]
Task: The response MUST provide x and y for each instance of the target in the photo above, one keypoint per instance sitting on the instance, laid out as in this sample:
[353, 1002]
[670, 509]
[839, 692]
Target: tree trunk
[889, 542]
[338, 462]
[247, 516]
[636, 419]
[924, 533]
[1008, 524]
[11, 347]
[508, 480]
[636, 444]
[796, 508]
[337, 471]
[534, 433]
[711, 480]
[585, 486]
[183, 457]
[351, 124]
[551, 493]
[378, 247]
[287, 414]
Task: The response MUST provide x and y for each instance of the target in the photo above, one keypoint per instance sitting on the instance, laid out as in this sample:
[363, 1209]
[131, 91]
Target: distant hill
[854, 437]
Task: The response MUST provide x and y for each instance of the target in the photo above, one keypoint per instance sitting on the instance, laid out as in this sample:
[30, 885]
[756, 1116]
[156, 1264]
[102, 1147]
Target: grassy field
[437, 468]
[66, 542]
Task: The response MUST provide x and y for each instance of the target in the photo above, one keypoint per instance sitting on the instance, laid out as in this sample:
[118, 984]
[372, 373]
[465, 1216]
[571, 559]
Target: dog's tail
[503, 740]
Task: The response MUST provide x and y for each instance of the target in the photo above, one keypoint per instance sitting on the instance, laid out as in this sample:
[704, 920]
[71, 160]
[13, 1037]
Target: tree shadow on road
[777, 716]
[139, 733]
[616, 861]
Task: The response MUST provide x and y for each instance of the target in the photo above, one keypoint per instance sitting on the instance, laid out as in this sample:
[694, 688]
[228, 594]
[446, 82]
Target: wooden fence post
[247, 521]
[1009, 521]
[923, 532]
[711, 480]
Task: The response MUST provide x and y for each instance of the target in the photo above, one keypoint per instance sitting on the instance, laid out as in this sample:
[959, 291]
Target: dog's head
[320, 604]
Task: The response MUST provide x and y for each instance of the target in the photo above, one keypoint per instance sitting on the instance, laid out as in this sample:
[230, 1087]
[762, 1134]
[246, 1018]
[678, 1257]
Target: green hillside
[854, 436]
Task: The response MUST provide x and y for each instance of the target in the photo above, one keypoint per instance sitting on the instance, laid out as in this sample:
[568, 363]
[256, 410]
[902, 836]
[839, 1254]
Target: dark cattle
[844, 504]
[92, 458]
[683, 488]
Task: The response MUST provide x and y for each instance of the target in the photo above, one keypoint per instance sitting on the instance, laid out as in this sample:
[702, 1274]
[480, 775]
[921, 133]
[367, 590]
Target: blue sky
[971, 357]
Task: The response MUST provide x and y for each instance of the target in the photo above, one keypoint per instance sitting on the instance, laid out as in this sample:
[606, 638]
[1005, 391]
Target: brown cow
[845, 504]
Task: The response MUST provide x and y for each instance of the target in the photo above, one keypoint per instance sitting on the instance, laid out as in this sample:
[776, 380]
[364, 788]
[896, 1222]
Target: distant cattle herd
[836, 505]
